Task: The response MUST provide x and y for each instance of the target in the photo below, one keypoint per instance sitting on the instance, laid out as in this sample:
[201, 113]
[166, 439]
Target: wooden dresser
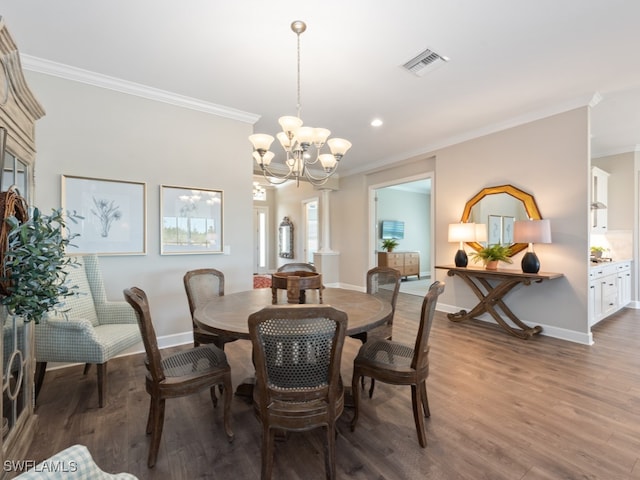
[407, 263]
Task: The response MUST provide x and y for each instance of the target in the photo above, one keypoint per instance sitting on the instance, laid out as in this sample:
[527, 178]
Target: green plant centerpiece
[389, 244]
[491, 255]
[597, 251]
[34, 263]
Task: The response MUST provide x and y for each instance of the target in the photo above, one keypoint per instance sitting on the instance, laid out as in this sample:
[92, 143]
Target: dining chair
[177, 375]
[399, 364]
[297, 351]
[297, 267]
[201, 286]
[384, 283]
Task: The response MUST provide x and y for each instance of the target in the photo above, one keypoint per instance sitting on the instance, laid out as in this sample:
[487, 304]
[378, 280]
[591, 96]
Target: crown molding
[67, 72]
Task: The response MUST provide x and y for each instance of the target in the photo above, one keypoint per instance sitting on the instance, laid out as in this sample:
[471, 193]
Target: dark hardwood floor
[501, 408]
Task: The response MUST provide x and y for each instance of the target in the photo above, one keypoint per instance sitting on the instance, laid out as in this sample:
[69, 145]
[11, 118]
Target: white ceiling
[510, 61]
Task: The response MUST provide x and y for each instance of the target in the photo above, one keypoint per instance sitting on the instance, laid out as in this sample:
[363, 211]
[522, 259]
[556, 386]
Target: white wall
[548, 158]
[94, 132]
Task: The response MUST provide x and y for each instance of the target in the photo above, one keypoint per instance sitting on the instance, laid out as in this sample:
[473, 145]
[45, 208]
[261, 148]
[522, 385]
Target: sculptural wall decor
[285, 238]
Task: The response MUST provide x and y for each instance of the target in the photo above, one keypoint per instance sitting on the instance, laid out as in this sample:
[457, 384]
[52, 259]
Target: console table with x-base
[491, 286]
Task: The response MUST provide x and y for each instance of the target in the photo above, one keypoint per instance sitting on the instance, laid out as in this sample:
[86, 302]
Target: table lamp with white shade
[462, 232]
[481, 233]
[531, 231]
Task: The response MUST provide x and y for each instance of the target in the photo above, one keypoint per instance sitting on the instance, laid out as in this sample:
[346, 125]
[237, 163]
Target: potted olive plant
[389, 244]
[491, 255]
[33, 267]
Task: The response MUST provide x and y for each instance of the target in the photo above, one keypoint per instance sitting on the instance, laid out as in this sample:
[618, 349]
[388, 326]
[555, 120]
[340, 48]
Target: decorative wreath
[12, 204]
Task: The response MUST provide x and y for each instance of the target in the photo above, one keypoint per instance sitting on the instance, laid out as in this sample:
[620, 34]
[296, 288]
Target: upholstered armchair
[93, 330]
[73, 463]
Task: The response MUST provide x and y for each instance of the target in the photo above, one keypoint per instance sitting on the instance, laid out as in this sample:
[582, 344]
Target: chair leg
[102, 383]
[214, 398]
[330, 454]
[156, 430]
[87, 367]
[268, 439]
[355, 393]
[425, 400]
[150, 416]
[41, 370]
[226, 392]
[416, 400]
[373, 384]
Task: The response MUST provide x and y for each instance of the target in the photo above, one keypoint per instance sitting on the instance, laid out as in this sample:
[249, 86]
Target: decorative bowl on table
[296, 284]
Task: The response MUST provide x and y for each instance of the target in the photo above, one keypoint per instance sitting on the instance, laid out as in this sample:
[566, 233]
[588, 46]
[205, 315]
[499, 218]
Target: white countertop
[612, 262]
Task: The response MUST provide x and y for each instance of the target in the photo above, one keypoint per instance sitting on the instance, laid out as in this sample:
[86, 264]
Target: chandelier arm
[269, 178]
[316, 182]
[266, 171]
[324, 178]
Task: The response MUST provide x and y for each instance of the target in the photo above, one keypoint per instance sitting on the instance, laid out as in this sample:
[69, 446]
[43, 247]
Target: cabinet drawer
[623, 267]
[411, 259]
[395, 260]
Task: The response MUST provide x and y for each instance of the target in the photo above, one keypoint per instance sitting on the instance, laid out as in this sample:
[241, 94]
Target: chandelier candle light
[297, 141]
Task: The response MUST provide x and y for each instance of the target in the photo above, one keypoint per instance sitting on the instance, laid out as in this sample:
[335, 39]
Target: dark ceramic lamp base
[530, 263]
[461, 258]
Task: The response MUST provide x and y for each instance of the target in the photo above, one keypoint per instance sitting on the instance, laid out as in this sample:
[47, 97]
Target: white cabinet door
[624, 285]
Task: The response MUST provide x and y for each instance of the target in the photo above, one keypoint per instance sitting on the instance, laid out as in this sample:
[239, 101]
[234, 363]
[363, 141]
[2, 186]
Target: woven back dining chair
[180, 374]
[297, 351]
[201, 286]
[384, 283]
[399, 364]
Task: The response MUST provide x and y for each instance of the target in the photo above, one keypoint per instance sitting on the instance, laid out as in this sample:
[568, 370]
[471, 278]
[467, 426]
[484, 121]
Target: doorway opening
[260, 239]
[407, 202]
[311, 231]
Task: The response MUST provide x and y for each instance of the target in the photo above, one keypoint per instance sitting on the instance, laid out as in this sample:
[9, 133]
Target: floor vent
[427, 61]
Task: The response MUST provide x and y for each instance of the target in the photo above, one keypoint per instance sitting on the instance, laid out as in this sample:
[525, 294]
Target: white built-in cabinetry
[599, 200]
[609, 289]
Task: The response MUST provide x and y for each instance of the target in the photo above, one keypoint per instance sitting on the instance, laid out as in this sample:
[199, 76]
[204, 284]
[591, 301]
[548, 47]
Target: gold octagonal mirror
[499, 207]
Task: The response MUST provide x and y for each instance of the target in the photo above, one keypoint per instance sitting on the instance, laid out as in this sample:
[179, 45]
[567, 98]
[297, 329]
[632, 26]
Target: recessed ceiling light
[376, 122]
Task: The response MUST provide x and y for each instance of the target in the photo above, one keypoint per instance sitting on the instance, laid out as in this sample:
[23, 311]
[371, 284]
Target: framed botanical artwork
[191, 220]
[494, 230]
[114, 218]
[507, 230]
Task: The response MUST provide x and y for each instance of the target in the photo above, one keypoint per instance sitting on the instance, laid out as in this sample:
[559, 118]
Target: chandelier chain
[299, 105]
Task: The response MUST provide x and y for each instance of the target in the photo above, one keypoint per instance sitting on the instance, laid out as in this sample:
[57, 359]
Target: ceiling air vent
[427, 61]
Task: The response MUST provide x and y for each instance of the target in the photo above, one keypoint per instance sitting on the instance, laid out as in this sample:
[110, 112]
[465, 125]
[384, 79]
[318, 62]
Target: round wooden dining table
[228, 314]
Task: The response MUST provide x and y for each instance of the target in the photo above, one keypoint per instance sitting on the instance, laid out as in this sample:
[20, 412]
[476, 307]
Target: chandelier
[302, 145]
